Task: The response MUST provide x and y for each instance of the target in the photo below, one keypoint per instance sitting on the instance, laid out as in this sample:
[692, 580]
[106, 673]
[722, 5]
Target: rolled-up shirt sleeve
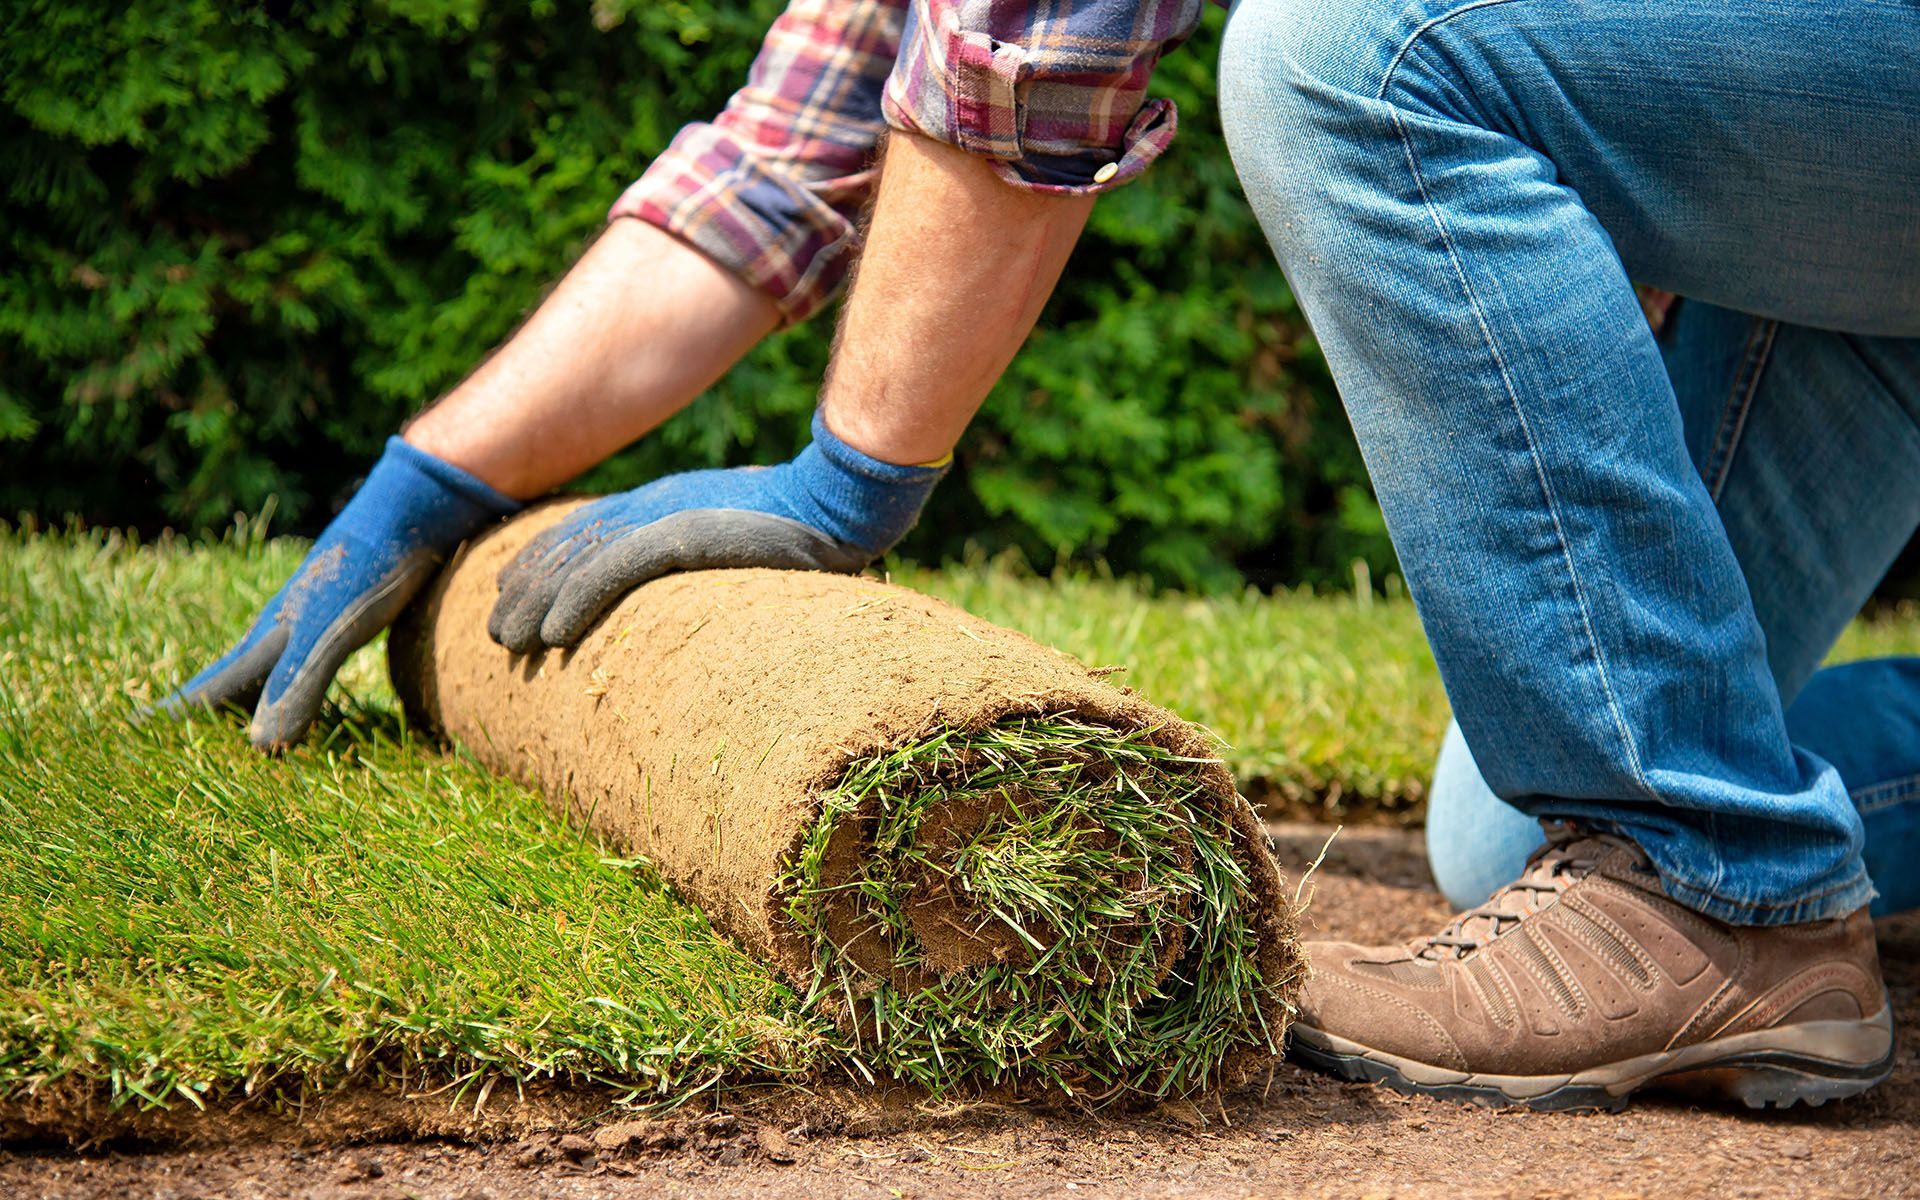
[772, 188]
[1053, 95]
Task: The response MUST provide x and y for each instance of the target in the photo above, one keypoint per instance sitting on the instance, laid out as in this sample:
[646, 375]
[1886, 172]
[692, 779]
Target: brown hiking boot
[1582, 982]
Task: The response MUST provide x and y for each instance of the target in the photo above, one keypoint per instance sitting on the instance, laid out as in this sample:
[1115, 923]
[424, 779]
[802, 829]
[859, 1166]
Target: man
[1624, 561]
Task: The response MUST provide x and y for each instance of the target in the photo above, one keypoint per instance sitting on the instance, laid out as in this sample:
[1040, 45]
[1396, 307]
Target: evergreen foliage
[241, 242]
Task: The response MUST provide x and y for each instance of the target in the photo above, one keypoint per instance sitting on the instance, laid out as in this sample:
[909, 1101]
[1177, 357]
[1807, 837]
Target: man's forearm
[957, 267]
[640, 326]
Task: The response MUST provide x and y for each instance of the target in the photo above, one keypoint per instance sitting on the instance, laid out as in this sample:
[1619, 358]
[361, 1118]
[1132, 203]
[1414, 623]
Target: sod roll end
[985, 864]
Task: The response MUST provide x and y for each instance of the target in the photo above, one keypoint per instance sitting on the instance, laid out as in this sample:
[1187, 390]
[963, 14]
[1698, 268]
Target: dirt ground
[1291, 1134]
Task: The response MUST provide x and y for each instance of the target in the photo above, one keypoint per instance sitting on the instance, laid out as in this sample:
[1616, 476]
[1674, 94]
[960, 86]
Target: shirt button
[1107, 172]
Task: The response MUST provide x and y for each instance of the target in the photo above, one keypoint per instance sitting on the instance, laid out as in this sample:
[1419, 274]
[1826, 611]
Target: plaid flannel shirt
[1052, 94]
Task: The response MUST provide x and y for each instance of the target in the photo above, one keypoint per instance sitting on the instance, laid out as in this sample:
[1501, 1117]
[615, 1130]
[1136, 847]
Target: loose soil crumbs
[1294, 1134]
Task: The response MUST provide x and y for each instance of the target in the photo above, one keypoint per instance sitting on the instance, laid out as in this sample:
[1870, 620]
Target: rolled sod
[983, 862]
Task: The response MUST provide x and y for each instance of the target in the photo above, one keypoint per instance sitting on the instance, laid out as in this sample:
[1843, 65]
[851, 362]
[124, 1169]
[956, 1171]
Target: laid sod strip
[394, 920]
[987, 864]
[171, 904]
[183, 920]
[1133, 961]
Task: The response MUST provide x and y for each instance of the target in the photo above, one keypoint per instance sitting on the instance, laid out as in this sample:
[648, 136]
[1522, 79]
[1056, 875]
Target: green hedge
[243, 241]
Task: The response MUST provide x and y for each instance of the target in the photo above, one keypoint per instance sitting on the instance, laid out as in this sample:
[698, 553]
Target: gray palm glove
[832, 508]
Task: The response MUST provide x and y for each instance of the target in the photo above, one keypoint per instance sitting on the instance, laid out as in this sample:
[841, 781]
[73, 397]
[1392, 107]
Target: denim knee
[1253, 80]
[1476, 842]
[1313, 94]
[1422, 57]
[1277, 130]
[1349, 45]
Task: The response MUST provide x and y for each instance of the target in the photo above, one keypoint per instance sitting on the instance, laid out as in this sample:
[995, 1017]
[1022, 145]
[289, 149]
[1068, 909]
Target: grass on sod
[179, 915]
[1109, 859]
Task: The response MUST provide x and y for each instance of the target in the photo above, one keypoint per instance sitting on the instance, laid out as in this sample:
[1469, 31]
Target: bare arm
[640, 326]
[957, 266]
[648, 318]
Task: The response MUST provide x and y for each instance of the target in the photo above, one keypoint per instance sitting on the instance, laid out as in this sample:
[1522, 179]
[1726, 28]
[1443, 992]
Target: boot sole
[1809, 1063]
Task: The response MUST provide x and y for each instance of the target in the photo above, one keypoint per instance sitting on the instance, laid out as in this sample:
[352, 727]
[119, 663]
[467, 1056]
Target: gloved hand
[412, 510]
[831, 509]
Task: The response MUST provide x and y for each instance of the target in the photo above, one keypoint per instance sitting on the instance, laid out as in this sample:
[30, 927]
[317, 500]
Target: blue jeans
[1863, 717]
[1620, 597]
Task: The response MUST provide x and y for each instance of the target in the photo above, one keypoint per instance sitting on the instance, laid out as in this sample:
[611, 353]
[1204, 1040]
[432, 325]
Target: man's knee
[1303, 68]
[1276, 49]
[1306, 83]
[1299, 97]
[1256, 76]
[1476, 842]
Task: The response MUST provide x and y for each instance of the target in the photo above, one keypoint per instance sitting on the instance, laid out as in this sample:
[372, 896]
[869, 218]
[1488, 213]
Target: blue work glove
[411, 511]
[830, 509]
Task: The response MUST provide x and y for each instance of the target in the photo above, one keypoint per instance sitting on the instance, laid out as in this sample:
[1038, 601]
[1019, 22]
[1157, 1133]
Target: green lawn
[179, 915]
[1316, 697]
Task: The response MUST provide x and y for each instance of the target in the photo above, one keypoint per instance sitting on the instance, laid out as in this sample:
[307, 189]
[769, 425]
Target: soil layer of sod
[986, 865]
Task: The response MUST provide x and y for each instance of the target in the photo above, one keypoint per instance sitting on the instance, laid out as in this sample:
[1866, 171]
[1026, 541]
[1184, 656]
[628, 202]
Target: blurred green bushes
[242, 242]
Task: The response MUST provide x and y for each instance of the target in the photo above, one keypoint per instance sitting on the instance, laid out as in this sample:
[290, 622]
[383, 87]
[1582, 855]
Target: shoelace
[1569, 855]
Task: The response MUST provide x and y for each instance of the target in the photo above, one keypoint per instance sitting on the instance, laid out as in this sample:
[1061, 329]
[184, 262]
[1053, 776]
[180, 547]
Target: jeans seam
[1406, 47]
[1886, 794]
[1621, 728]
[1740, 397]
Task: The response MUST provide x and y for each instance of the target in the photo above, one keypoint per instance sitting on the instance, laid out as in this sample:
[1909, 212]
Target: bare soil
[1291, 1133]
